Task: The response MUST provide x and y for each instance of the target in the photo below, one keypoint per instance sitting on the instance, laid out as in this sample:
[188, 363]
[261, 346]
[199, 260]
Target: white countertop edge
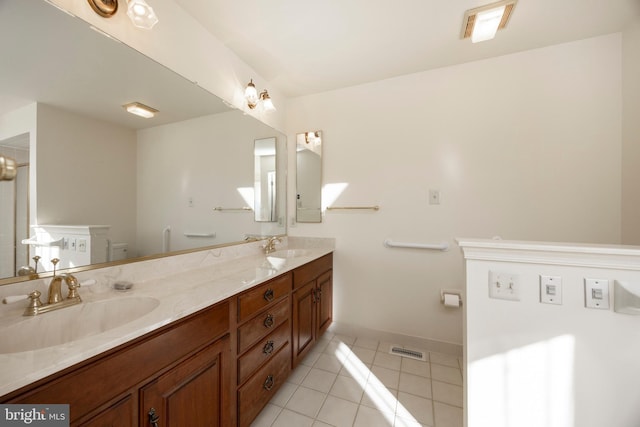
[21, 369]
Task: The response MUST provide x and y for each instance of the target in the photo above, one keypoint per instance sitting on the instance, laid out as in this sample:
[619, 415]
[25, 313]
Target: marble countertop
[178, 295]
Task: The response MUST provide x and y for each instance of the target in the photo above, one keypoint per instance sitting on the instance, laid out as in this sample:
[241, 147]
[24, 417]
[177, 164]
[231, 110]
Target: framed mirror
[309, 176]
[265, 188]
[140, 187]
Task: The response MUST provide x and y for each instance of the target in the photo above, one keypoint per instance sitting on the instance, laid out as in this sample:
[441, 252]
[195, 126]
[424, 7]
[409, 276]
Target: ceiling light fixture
[483, 22]
[252, 97]
[141, 14]
[140, 110]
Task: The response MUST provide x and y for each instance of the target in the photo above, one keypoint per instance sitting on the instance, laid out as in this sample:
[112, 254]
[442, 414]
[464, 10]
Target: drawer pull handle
[153, 417]
[268, 295]
[268, 321]
[269, 383]
[268, 347]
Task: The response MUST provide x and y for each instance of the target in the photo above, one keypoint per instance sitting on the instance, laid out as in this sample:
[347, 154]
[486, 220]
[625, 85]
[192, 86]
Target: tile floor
[348, 381]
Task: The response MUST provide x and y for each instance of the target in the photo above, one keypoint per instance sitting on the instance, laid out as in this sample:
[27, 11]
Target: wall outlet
[82, 245]
[596, 293]
[434, 197]
[504, 286]
[551, 289]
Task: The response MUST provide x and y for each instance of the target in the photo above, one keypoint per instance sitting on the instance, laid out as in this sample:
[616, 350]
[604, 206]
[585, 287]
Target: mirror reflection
[309, 176]
[265, 182]
[100, 183]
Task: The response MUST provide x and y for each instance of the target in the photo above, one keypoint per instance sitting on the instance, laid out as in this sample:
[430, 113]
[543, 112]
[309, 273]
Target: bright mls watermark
[34, 415]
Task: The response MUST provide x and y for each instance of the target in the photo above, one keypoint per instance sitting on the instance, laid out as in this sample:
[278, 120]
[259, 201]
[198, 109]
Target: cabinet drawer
[260, 297]
[310, 271]
[263, 386]
[262, 324]
[263, 351]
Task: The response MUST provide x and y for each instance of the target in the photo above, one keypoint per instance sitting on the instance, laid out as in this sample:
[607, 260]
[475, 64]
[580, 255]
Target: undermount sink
[72, 323]
[290, 253]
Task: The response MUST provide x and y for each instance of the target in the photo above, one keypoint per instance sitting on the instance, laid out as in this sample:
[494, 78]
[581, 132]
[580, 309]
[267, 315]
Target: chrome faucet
[54, 300]
[270, 246]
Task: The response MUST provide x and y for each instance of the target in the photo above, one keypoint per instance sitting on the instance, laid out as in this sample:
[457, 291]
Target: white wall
[104, 155]
[198, 159]
[631, 135]
[525, 146]
[531, 364]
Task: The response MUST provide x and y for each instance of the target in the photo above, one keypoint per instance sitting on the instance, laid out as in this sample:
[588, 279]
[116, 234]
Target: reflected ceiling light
[483, 22]
[8, 168]
[252, 97]
[141, 14]
[140, 110]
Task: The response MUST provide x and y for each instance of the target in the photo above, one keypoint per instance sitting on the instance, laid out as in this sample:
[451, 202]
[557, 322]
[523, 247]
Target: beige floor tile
[447, 416]
[319, 380]
[348, 388]
[450, 394]
[415, 384]
[338, 412]
[288, 418]
[388, 377]
[306, 401]
[386, 360]
[416, 367]
[371, 417]
[444, 359]
[415, 407]
[446, 374]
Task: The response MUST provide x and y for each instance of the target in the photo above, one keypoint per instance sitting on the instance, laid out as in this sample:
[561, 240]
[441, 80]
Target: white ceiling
[305, 47]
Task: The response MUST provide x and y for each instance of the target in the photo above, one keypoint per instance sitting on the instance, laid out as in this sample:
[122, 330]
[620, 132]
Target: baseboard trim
[399, 339]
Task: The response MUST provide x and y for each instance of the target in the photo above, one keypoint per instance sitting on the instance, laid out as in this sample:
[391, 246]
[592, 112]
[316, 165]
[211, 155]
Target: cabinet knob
[268, 347]
[268, 321]
[269, 383]
[268, 295]
[153, 417]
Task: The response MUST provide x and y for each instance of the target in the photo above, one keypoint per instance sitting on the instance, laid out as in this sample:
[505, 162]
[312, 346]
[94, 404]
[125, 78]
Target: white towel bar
[444, 246]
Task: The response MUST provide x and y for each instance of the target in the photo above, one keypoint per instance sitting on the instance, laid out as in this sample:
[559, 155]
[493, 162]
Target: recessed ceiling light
[483, 22]
[140, 110]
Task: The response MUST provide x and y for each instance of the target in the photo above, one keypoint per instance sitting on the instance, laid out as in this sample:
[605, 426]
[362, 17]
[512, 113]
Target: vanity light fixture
[483, 22]
[8, 168]
[252, 97]
[140, 110]
[312, 137]
[141, 14]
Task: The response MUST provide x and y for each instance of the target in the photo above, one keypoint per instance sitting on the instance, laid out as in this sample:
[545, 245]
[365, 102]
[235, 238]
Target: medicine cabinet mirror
[309, 176]
[265, 187]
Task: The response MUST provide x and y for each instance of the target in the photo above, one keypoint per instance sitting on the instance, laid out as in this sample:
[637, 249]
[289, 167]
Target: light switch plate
[551, 289]
[504, 286]
[596, 293]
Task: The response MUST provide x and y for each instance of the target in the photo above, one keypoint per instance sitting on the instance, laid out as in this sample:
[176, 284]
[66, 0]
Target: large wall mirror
[309, 176]
[181, 180]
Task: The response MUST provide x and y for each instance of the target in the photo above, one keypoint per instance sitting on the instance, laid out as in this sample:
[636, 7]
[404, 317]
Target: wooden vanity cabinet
[263, 345]
[312, 298]
[181, 371]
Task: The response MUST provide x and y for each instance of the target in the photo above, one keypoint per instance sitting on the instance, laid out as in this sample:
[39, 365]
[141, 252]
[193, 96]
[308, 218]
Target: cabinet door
[324, 301]
[193, 393]
[120, 414]
[304, 321]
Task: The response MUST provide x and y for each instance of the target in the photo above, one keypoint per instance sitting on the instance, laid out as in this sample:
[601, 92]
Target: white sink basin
[72, 323]
[290, 253]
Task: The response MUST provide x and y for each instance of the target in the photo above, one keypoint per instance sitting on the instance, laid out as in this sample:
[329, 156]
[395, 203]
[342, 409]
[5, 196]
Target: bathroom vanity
[217, 366]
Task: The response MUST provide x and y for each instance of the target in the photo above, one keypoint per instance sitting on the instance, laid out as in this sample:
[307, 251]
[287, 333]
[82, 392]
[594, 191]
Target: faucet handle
[34, 303]
[55, 262]
[73, 285]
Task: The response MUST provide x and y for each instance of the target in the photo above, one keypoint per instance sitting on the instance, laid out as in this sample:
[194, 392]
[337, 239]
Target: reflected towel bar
[200, 234]
[335, 208]
[244, 208]
[444, 246]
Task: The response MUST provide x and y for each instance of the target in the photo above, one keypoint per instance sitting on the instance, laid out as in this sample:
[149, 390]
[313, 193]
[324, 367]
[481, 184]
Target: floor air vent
[407, 352]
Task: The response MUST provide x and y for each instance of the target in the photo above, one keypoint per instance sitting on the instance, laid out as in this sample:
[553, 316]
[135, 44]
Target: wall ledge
[552, 253]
